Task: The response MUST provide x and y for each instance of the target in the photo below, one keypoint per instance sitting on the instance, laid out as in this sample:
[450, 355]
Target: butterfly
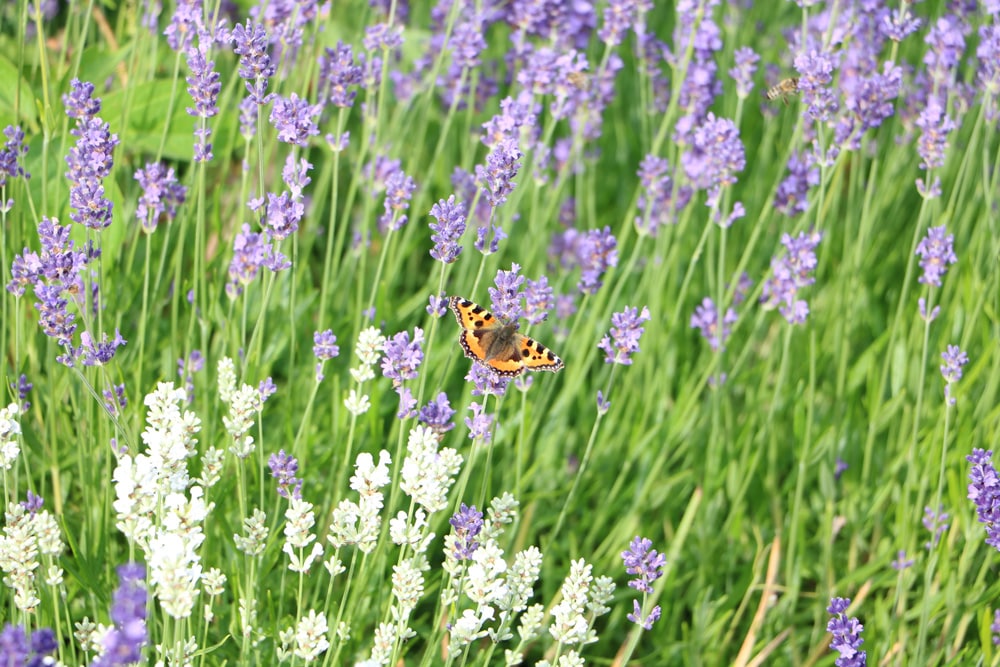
[498, 346]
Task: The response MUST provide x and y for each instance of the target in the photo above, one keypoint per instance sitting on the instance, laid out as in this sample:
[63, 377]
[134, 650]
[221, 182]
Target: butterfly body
[499, 346]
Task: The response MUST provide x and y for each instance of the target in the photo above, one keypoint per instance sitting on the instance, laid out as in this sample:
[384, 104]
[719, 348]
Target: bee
[783, 89]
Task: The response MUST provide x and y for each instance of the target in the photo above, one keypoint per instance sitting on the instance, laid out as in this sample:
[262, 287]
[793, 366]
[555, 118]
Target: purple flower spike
[398, 190]
[846, 635]
[951, 369]
[715, 156]
[123, 643]
[636, 616]
[438, 414]
[706, 319]
[161, 194]
[623, 339]
[283, 468]
[14, 149]
[506, 297]
[80, 102]
[640, 559]
[936, 251]
[497, 178]
[295, 119]
[480, 424]
[984, 492]
[325, 345]
[403, 356]
[468, 523]
[791, 273]
[746, 64]
[337, 72]
[250, 44]
[448, 229]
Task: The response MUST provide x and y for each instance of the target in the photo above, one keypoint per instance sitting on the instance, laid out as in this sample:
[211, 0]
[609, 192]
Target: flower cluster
[623, 340]
[161, 195]
[937, 253]
[951, 369]
[791, 273]
[642, 560]
[846, 635]
[984, 492]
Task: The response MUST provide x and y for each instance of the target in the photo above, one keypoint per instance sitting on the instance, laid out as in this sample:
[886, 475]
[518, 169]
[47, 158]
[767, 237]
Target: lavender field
[504, 332]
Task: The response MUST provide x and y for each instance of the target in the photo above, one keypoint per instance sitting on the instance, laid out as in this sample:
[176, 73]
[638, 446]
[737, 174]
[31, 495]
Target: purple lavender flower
[17, 648]
[597, 252]
[447, 230]
[715, 155]
[538, 300]
[603, 404]
[92, 353]
[619, 15]
[988, 73]
[933, 141]
[901, 562]
[655, 204]
[14, 149]
[790, 273]
[467, 523]
[480, 425]
[407, 404]
[984, 492]
[403, 356]
[90, 160]
[32, 504]
[283, 468]
[284, 212]
[645, 562]
[438, 414]
[382, 37]
[623, 340]
[186, 368]
[936, 523]
[515, 114]
[161, 194]
[946, 42]
[294, 119]
[637, 618]
[23, 388]
[951, 369]
[115, 399]
[746, 64]
[485, 382]
[398, 190]
[325, 345]
[124, 641]
[185, 23]
[204, 87]
[839, 468]
[248, 120]
[846, 635]
[706, 319]
[995, 627]
[467, 43]
[936, 251]
[815, 76]
[249, 254]
[337, 72]
[506, 297]
[497, 178]
[792, 196]
[250, 44]
[80, 102]
[899, 24]
[437, 305]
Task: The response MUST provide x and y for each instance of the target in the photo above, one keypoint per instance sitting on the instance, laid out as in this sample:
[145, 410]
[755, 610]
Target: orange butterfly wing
[479, 326]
